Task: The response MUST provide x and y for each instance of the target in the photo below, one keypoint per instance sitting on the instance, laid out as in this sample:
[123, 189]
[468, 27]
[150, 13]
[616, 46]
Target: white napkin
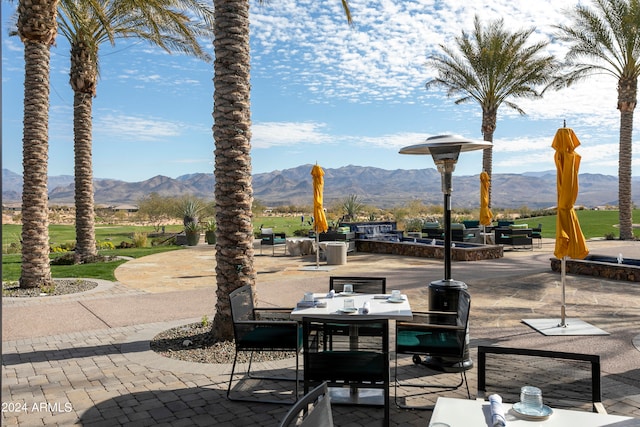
[497, 411]
[366, 307]
[331, 293]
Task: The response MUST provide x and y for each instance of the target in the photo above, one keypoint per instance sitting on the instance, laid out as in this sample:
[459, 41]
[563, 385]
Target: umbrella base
[318, 268]
[551, 327]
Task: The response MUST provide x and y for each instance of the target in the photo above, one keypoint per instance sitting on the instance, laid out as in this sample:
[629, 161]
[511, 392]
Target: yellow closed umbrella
[570, 241]
[485, 213]
[319, 218]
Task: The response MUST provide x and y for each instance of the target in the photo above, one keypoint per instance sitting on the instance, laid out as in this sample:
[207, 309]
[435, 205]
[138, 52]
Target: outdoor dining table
[380, 307]
[454, 412]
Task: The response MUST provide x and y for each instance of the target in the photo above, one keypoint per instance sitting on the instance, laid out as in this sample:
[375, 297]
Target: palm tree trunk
[232, 135]
[83, 77]
[625, 203]
[37, 29]
[489, 120]
[627, 92]
[35, 148]
[85, 222]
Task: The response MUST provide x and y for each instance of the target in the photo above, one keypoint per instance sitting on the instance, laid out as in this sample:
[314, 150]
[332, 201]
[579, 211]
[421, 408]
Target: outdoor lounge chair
[536, 233]
[269, 238]
[252, 334]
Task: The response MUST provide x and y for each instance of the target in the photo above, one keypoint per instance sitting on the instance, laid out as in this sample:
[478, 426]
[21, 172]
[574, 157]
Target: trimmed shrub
[140, 240]
[105, 245]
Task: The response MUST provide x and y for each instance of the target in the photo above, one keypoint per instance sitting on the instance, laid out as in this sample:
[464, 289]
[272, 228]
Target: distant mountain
[379, 187]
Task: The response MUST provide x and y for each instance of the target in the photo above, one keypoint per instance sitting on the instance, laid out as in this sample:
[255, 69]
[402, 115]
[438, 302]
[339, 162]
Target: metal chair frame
[361, 284]
[246, 323]
[273, 239]
[361, 365]
[319, 415]
[456, 324]
[593, 359]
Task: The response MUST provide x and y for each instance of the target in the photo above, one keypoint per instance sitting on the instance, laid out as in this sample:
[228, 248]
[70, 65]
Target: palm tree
[607, 40]
[37, 28]
[174, 25]
[232, 136]
[351, 206]
[490, 66]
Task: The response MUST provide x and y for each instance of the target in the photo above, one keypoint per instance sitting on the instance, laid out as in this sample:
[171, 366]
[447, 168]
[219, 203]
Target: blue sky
[321, 92]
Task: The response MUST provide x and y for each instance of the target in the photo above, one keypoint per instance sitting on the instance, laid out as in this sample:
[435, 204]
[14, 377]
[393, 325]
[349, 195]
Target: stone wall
[470, 253]
[630, 273]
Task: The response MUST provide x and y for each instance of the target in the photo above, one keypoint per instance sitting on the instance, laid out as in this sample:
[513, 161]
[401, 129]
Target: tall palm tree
[174, 25]
[607, 40]
[232, 136]
[37, 28]
[491, 66]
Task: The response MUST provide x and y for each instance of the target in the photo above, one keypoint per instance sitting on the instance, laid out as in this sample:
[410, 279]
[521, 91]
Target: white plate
[348, 293]
[348, 310]
[395, 300]
[529, 415]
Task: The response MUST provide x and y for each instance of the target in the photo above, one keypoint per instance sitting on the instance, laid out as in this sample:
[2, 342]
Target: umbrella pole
[317, 251]
[563, 274]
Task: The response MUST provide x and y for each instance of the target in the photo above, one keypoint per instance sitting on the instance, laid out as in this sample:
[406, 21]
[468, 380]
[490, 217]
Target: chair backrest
[342, 363]
[435, 334]
[364, 285]
[314, 408]
[463, 309]
[564, 378]
[242, 307]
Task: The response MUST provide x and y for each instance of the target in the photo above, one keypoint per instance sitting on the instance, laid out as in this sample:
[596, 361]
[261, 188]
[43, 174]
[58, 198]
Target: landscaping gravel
[60, 287]
[193, 343]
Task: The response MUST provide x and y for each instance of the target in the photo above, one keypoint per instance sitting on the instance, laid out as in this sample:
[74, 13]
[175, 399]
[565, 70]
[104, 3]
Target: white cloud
[132, 128]
[271, 134]
[382, 57]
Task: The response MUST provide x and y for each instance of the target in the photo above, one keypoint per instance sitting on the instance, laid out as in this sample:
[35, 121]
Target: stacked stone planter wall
[470, 252]
[606, 270]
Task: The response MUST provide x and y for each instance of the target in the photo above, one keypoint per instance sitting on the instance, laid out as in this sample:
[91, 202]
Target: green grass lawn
[286, 224]
[61, 234]
[593, 223]
[102, 270]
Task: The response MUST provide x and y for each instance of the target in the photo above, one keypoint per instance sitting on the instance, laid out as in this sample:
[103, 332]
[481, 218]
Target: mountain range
[374, 186]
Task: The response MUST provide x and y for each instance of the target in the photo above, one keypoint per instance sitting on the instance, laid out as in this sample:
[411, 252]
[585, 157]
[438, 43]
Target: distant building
[124, 208]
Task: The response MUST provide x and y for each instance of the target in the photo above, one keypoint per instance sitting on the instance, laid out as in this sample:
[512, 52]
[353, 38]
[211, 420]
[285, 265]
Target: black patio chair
[253, 333]
[361, 284]
[314, 408]
[440, 335]
[567, 380]
[355, 361]
[269, 238]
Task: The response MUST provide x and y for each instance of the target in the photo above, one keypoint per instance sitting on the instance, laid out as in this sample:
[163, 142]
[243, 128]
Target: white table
[477, 413]
[379, 308]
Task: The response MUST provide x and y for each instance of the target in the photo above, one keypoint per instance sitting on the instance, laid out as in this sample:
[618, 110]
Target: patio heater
[443, 294]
